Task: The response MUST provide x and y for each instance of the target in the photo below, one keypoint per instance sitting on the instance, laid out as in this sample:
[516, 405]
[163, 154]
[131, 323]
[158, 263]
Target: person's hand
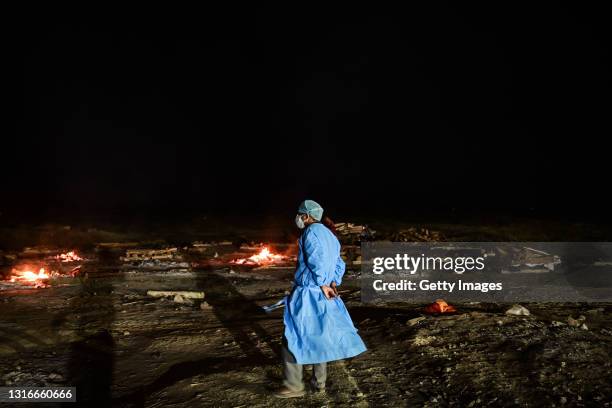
[333, 286]
[328, 292]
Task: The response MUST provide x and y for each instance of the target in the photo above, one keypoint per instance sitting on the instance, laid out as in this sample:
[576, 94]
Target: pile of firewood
[139, 255]
[413, 234]
[352, 233]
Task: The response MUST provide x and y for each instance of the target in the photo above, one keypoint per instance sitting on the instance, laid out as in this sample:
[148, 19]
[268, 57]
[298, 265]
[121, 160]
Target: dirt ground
[101, 333]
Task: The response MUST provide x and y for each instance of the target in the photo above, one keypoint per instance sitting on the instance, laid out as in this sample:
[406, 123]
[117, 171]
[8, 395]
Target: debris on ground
[202, 247]
[529, 260]
[37, 251]
[172, 293]
[115, 245]
[415, 321]
[140, 255]
[576, 322]
[518, 310]
[178, 298]
[157, 264]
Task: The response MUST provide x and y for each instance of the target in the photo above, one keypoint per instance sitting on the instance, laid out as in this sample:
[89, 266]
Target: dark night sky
[368, 110]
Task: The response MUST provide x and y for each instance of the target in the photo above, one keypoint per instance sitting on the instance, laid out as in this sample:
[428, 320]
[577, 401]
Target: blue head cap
[311, 208]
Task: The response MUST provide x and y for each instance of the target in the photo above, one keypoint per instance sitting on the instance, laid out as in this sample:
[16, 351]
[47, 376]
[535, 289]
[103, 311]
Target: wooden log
[149, 254]
[110, 245]
[168, 293]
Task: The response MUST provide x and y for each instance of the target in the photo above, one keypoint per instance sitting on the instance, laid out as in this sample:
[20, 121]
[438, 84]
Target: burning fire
[70, 256]
[31, 278]
[264, 257]
[26, 274]
[439, 306]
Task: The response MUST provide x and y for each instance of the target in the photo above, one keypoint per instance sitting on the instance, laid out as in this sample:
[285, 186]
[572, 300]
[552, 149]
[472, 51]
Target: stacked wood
[115, 245]
[138, 255]
[350, 233]
[348, 228]
[199, 246]
[172, 293]
[414, 234]
[38, 251]
[351, 254]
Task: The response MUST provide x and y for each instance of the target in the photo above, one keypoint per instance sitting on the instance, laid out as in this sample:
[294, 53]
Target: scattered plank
[171, 293]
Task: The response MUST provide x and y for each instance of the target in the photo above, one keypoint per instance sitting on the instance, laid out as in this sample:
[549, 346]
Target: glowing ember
[27, 276]
[68, 257]
[264, 257]
[439, 306]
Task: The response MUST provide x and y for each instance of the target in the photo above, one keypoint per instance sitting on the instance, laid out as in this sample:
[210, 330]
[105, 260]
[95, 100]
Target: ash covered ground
[103, 332]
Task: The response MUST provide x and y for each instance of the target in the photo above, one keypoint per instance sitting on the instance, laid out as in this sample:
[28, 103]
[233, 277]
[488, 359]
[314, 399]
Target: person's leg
[292, 371]
[319, 376]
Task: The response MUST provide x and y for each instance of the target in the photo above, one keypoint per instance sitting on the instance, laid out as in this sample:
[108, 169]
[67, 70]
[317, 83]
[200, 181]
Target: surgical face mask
[299, 222]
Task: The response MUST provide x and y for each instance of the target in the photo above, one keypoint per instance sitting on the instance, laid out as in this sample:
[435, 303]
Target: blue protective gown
[318, 329]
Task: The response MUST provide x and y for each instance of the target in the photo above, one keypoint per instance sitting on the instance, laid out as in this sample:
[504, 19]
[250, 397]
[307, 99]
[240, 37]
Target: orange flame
[70, 256]
[29, 277]
[439, 306]
[263, 257]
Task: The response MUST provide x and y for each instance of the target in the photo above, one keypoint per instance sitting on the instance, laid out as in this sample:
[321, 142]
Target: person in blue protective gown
[318, 328]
